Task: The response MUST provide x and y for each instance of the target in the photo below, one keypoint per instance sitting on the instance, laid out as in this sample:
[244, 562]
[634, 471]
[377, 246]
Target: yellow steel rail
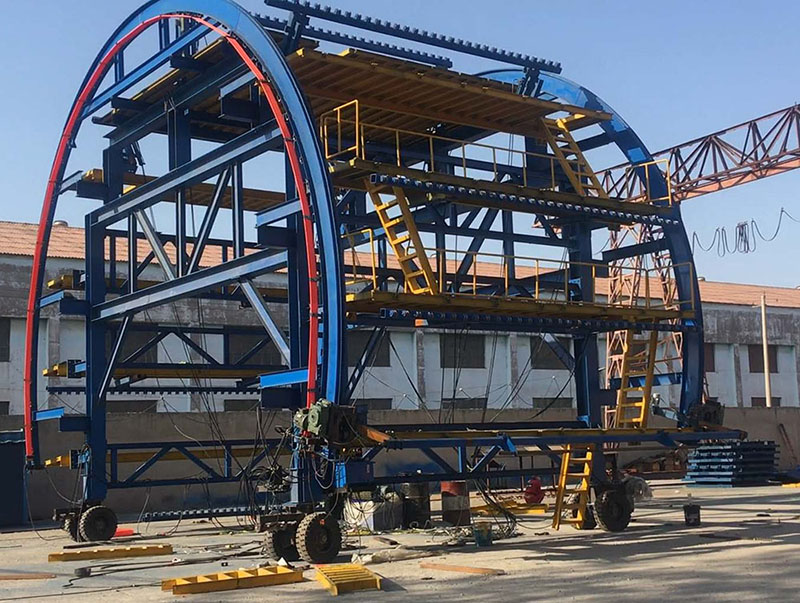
[233, 580]
[487, 267]
[336, 130]
[118, 552]
[638, 190]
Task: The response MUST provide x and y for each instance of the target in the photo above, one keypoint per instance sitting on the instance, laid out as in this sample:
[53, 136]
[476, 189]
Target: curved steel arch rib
[265, 60]
[625, 138]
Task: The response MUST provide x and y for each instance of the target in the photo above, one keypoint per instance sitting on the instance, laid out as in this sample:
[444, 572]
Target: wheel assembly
[71, 527]
[97, 523]
[318, 538]
[613, 509]
[280, 544]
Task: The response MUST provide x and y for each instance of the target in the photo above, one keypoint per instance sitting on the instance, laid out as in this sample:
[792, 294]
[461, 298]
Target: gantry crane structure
[397, 205]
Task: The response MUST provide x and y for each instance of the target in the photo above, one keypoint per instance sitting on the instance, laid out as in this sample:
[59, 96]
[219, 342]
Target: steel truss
[361, 230]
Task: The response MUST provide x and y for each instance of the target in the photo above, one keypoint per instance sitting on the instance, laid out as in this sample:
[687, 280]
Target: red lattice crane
[752, 150]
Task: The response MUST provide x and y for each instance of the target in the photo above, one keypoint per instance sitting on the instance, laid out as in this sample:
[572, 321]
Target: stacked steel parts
[733, 463]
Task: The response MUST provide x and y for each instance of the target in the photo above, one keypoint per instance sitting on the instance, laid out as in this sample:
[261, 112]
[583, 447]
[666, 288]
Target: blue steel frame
[538, 77]
[183, 172]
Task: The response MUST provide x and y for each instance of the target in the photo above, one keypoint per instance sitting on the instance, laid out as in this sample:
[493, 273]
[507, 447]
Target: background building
[420, 368]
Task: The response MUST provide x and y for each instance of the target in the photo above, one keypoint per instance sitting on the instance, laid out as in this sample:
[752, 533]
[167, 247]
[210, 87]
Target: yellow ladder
[633, 412]
[571, 159]
[571, 483]
[395, 215]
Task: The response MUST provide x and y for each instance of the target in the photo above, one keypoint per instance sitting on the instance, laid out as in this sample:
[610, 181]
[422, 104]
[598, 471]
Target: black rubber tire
[589, 521]
[613, 509]
[280, 544]
[71, 527]
[318, 538]
[97, 524]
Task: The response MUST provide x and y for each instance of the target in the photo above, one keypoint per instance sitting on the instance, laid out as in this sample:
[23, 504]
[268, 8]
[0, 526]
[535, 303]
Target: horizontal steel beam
[240, 149]
[189, 94]
[371, 220]
[143, 70]
[415, 35]
[665, 438]
[196, 282]
[632, 251]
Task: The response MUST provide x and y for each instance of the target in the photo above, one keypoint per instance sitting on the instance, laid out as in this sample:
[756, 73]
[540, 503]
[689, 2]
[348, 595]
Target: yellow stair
[571, 159]
[633, 402]
[573, 482]
[395, 215]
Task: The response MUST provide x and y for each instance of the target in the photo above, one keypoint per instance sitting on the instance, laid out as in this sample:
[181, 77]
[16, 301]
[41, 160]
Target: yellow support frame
[233, 580]
[348, 577]
[117, 552]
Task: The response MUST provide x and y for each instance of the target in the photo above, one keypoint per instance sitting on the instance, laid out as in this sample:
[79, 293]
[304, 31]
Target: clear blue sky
[674, 70]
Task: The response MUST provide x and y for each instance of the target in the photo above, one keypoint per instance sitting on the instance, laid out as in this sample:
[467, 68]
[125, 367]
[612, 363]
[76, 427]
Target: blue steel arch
[246, 29]
[620, 133]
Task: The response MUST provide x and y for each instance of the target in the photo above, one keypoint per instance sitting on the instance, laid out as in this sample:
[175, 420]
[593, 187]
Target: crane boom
[752, 150]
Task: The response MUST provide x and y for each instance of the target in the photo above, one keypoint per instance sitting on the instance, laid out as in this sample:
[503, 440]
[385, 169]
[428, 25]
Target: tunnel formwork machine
[388, 190]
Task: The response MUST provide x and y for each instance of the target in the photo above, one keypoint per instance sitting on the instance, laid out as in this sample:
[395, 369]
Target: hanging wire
[746, 237]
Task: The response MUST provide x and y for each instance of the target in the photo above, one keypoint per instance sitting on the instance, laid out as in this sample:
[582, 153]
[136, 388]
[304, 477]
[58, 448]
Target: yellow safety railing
[636, 188]
[344, 138]
[334, 120]
[493, 270]
[358, 274]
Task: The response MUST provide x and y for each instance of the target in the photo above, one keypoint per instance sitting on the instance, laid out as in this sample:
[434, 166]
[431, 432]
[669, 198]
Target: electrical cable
[747, 234]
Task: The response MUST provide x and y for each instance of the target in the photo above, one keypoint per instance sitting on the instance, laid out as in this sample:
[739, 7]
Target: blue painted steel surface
[247, 30]
[624, 137]
[291, 377]
[431, 38]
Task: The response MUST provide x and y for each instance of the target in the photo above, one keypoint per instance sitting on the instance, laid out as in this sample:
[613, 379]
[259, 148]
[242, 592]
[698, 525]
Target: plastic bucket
[482, 531]
[691, 515]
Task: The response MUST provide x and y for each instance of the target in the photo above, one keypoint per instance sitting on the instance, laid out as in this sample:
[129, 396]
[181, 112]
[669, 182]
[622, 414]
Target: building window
[543, 356]
[134, 341]
[463, 403]
[356, 344]
[5, 408]
[5, 339]
[461, 351]
[234, 405]
[374, 403]
[240, 346]
[710, 357]
[761, 402]
[132, 405]
[550, 403]
[756, 357]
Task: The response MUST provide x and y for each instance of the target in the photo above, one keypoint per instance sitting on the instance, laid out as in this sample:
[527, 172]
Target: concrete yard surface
[748, 548]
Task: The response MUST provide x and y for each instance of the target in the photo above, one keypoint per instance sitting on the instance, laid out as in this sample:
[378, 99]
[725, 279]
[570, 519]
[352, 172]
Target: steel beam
[260, 307]
[142, 71]
[249, 266]
[242, 148]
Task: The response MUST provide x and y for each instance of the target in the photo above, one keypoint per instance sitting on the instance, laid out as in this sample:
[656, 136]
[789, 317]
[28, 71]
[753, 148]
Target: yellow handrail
[361, 130]
[538, 269]
[637, 189]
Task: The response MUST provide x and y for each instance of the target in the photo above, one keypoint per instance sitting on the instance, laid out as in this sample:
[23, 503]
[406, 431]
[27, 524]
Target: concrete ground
[748, 548]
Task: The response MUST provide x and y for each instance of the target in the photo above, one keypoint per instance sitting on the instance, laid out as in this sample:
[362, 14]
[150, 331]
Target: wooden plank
[40, 576]
[465, 569]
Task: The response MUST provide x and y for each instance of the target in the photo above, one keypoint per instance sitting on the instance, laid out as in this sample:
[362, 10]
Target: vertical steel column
[94, 485]
[180, 151]
[237, 210]
[510, 275]
[587, 372]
